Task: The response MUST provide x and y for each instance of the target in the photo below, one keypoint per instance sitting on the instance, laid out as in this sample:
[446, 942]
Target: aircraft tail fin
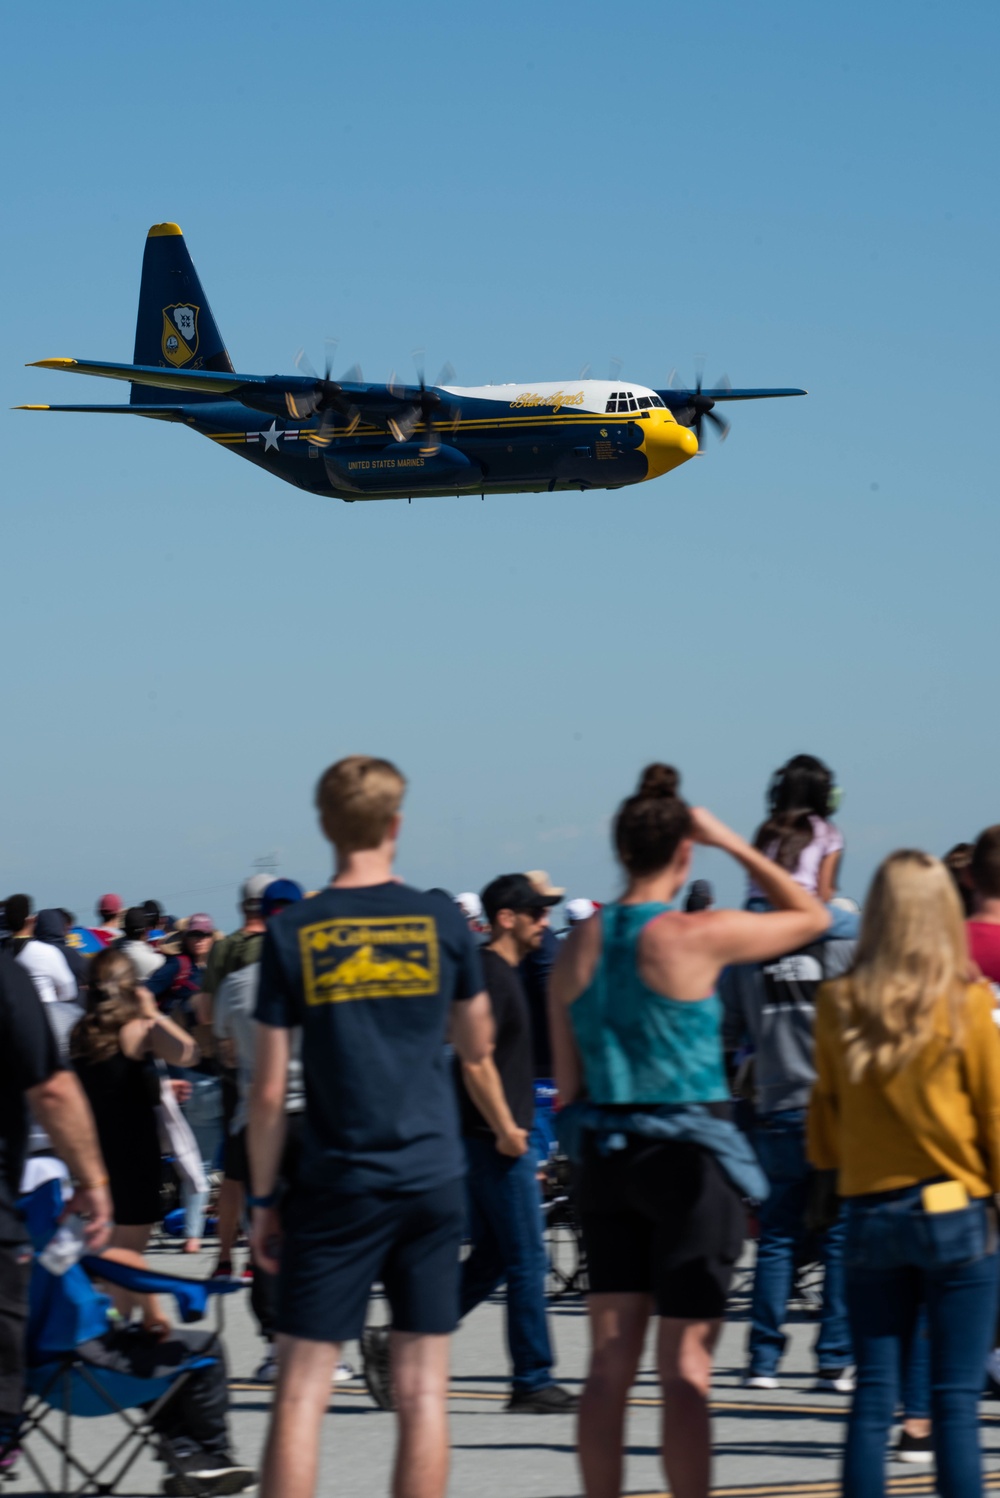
[175, 327]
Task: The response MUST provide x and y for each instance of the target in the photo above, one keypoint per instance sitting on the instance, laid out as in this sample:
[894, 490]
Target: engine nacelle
[401, 468]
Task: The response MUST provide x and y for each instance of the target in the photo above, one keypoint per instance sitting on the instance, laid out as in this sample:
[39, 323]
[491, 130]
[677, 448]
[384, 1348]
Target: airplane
[351, 440]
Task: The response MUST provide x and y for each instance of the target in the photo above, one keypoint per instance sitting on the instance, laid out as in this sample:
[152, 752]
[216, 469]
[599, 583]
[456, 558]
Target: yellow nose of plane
[666, 445]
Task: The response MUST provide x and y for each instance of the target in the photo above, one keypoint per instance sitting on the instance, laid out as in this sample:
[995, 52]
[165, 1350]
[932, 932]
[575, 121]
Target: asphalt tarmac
[766, 1445]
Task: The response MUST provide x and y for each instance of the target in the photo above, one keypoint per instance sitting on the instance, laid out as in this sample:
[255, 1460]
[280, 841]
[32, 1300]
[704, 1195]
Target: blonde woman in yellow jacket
[906, 1109]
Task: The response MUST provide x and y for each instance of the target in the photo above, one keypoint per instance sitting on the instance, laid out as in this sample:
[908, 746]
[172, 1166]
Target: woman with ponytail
[111, 1049]
[906, 1109]
[638, 1061]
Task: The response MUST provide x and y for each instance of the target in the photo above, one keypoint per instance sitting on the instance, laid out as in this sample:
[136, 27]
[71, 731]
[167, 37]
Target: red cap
[110, 905]
[200, 925]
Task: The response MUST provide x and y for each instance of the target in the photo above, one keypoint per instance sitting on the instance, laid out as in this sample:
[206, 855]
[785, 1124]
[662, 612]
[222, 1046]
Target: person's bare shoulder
[577, 959]
[678, 928]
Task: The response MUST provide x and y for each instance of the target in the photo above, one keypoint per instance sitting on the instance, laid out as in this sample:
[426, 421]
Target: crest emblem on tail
[180, 333]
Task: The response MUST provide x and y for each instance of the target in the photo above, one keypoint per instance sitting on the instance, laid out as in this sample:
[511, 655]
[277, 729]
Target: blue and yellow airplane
[353, 440]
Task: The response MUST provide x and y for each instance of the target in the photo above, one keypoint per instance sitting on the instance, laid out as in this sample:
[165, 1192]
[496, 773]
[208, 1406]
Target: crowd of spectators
[835, 1069]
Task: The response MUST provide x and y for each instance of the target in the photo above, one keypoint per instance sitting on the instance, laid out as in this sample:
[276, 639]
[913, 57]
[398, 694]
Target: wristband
[93, 1185]
[263, 1201]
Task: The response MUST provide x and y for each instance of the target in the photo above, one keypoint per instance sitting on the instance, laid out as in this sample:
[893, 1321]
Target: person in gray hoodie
[770, 1009]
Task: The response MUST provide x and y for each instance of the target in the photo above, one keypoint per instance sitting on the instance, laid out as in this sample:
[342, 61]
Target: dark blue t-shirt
[370, 975]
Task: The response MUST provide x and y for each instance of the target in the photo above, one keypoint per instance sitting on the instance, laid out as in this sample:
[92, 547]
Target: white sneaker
[267, 1373]
[835, 1381]
[761, 1381]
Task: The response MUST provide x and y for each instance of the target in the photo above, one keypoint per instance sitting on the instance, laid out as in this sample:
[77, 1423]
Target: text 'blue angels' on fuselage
[355, 440]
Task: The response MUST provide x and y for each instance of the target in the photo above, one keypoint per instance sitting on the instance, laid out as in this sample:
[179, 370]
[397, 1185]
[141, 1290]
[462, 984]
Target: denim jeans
[505, 1225]
[780, 1142]
[203, 1111]
[897, 1258]
[915, 1372]
[543, 1132]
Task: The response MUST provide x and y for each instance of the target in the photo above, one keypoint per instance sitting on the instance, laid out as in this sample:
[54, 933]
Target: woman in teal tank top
[636, 1040]
[636, 1045]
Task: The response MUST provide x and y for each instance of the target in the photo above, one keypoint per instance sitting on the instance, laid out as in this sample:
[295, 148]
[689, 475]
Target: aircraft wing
[158, 413]
[725, 394]
[201, 380]
[271, 393]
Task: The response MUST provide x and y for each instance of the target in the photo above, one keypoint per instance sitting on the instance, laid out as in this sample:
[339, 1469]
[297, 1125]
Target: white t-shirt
[826, 839]
[49, 970]
[144, 959]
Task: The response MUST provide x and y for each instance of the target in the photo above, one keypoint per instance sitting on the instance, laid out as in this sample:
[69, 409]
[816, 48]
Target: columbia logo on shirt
[383, 957]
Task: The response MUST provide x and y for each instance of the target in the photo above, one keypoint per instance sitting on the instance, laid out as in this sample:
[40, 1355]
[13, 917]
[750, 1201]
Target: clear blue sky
[805, 193]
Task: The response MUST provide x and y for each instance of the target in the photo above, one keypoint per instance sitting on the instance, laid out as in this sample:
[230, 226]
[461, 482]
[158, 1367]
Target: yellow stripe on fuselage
[484, 423]
[662, 439]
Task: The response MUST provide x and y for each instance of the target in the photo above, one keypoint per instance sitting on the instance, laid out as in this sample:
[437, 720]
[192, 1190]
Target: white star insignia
[271, 437]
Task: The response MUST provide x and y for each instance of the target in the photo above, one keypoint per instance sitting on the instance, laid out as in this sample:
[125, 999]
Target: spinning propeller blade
[326, 399]
[700, 408]
[331, 401]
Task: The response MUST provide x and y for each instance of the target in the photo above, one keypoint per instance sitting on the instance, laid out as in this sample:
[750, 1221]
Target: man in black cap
[496, 1098]
[135, 943]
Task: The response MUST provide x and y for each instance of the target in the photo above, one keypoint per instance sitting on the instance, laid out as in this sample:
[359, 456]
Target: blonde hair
[357, 799]
[111, 1003]
[912, 960]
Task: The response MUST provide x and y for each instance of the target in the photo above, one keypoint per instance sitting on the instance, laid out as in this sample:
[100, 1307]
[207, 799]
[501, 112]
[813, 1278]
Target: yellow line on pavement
[914, 1483]
[767, 1409]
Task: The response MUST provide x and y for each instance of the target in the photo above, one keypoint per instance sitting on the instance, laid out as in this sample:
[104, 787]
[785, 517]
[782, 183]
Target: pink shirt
[826, 839]
[984, 948]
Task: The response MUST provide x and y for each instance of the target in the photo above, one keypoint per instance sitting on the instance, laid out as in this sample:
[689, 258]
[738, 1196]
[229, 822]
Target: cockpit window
[624, 400]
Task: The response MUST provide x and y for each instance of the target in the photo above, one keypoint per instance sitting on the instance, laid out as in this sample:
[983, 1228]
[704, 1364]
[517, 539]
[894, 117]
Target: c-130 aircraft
[351, 440]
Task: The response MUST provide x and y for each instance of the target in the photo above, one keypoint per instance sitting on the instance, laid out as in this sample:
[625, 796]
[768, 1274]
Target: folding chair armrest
[192, 1296]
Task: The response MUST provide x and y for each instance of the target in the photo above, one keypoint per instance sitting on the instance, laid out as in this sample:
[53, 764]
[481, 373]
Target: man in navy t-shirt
[379, 976]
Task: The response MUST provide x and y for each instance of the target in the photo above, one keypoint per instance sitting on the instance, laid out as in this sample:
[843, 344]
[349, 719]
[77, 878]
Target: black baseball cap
[514, 892]
[136, 922]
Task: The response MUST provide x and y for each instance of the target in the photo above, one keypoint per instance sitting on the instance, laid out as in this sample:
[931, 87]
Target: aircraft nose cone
[667, 444]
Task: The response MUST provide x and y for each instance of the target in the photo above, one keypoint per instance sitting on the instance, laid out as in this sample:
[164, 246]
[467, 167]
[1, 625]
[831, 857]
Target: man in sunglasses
[496, 1098]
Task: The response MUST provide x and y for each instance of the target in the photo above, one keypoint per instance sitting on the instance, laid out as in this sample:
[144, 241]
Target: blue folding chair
[66, 1310]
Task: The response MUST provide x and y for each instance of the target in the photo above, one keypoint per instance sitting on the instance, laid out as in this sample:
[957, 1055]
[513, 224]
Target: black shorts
[135, 1191]
[661, 1218]
[234, 1158]
[336, 1247]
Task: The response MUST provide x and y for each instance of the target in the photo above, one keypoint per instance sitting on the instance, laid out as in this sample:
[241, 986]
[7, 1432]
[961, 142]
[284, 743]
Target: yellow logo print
[179, 342]
[529, 398]
[387, 957]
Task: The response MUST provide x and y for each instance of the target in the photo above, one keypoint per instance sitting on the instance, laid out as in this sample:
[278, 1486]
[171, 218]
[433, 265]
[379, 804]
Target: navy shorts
[337, 1247]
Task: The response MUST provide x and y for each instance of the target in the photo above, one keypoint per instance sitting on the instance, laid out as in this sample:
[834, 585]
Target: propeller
[403, 425]
[700, 407]
[326, 399]
[330, 400]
